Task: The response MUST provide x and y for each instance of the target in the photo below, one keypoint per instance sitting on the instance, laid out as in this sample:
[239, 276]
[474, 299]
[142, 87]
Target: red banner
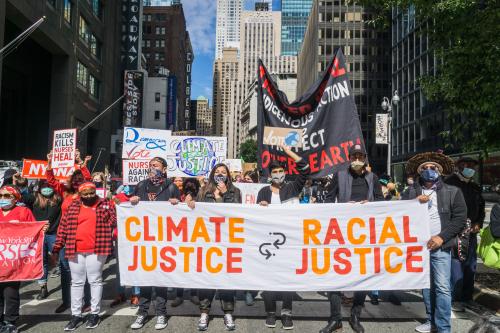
[37, 169]
[21, 251]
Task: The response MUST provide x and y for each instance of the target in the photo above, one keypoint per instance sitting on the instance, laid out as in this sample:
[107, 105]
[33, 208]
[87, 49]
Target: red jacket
[59, 187]
[106, 221]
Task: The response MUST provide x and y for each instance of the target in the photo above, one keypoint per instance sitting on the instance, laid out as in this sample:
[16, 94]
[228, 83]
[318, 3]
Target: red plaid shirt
[106, 221]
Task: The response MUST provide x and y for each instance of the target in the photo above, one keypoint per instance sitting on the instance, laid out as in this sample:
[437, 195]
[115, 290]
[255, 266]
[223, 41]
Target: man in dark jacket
[462, 273]
[355, 185]
[448, 215]
[280, 193]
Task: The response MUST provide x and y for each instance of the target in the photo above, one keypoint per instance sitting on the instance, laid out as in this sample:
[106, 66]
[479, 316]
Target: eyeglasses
[6, 196]
[429, 167]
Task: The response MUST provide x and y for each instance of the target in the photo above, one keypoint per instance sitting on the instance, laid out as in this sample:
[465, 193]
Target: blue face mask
[127, 190]
[468, 172]
[430, 176]
[6, 203]
[47, 191]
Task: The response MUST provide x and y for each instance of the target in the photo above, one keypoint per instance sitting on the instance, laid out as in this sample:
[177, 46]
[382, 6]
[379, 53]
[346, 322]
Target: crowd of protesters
[80, 234]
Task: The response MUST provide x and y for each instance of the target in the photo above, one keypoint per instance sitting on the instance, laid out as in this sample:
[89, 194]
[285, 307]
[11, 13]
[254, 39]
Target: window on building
[157, 56]
[94, 86]
[157, 30]
[97, 8]
[147, 29]
[83, 30]
[157, 43]
[52, 3]
[148, 43]
[68, 11]
[157, 115]
[81, 75]
[157, 97]
[162, 43]
[163, 30]
[95, 46]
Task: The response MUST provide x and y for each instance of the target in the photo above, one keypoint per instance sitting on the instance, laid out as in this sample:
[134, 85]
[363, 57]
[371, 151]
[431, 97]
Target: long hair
[211, 185]
[42, 202]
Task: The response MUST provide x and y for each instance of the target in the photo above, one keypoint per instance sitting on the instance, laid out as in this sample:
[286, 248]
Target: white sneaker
[458, 306]
[138, 323]
[229, 322]
[161, 323]
[425, 328]
[203, 322]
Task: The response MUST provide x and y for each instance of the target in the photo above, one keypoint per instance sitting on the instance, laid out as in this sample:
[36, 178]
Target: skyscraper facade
[227, 32]
[294, 16]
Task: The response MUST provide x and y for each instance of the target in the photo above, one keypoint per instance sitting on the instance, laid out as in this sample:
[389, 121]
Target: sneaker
[9, 328]
[44, 293]
[249, 300]
[93, 321]
[424, 328]
[61, 308]
[271, 320]
[73, 323]
[287, 322]
[161, 323]
[139, 322]
[229, 322]
[458, 307]
[203, 322]
[177, 301]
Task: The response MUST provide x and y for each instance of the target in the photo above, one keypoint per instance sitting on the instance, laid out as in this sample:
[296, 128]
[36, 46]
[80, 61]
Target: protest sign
[134, 171]
[326, 114]
[249, 191]
[234, 164]
[278, 136]
[21, 249]
[191, 156]
[373, 246]
[64, 148]
[101, 192]
[144, 143]
[381, 128]
[37, 169]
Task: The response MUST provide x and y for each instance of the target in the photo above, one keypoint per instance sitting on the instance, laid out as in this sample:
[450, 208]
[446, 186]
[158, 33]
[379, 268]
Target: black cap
[467, 159]
[275, 164]
[357, 148]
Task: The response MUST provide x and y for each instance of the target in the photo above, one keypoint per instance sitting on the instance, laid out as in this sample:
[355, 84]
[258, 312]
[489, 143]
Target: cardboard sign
[64, 148]
[234, 164]
[381, 128]
[192, 156]
[144, 143]
[37, 169]
[372, 246]
[249, 191]
[134, 171]
[277, 136]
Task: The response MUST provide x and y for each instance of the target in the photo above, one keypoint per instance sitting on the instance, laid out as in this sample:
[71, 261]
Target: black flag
[326, 113]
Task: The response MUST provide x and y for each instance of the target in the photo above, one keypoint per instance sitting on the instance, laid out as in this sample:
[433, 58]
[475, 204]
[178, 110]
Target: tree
[465, 38]
[248, 151]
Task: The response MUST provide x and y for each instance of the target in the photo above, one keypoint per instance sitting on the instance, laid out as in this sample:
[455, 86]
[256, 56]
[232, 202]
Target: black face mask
[89, 201]
[98, 184]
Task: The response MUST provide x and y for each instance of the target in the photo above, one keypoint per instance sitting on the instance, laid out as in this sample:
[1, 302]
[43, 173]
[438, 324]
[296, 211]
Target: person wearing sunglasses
[448, 216]
[9, 291]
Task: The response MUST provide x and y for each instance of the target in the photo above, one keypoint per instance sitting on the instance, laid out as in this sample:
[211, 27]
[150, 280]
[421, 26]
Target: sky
[200, 17]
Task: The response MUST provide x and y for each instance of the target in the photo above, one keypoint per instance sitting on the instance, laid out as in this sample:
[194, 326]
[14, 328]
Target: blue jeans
[437, 299]
[48, 244]
[462, 273]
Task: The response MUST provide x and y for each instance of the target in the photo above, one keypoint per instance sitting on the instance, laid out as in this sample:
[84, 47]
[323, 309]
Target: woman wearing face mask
[9, 291]
[86, 233]
[156, 188]
[281, 193]
[98, 179]
[219, 189]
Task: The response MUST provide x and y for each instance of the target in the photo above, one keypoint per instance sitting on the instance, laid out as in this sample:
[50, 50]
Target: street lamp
[387, 106]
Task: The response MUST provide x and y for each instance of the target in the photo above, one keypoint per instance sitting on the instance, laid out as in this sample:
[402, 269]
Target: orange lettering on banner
[219, 266]
[233, 229]
[310, 234]
[145, 266]
[362, 252]
[387, 259]
[406, 231]
[128, 235]
[350, 234]
[187, 256]
[334, 232]
[232, 259]
[326, 261]
[217, 221]
[178, 229]
[171, 262]
[389, 231]
[347, 264]
[411, 258]
[147, 236]
[200, 231]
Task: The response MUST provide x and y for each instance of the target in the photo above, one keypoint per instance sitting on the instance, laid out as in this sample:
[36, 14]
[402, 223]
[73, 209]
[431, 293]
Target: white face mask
[278, 178]
[357, 165]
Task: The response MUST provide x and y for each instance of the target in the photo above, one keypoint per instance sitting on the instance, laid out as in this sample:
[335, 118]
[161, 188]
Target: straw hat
[444, 164]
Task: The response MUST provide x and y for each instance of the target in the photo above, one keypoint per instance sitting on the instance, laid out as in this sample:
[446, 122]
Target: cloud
[200, 17]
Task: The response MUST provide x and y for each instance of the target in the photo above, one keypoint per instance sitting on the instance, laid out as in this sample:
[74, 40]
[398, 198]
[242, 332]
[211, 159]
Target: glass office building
[294, 16]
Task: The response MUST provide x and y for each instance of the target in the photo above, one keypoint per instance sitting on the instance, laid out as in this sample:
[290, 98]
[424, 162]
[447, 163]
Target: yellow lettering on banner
[145, 266]
[233, 229]
[310, 234]
[326, 261]
[387, 259]
[389, 231]
[362, 252]
[128, 235]
[200, 231]
[187, 256]
[350, 233]
[210, 252]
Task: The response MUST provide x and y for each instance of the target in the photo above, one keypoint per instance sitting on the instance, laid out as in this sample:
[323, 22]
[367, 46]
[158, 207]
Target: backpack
[489, 249]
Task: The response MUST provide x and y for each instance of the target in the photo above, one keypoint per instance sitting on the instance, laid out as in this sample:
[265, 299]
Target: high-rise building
[62, 76]
[225, 72]
[166, 45]
[367, 53]
[203, 112]
[227, 31]
[294, 16]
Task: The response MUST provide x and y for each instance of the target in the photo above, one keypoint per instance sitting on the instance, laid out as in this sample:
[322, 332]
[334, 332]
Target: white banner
[134, 171]
[381, 130]
[192, 156]
[249, 191]
[64, 148]
[373, 246]
[144, 143]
